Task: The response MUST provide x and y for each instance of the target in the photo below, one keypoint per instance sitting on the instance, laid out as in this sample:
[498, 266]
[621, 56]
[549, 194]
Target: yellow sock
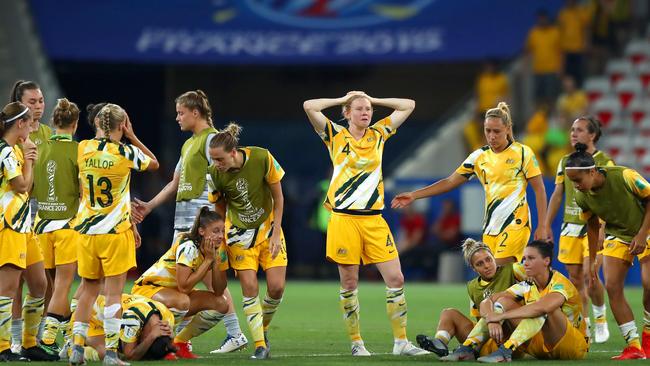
[630, 334]
[396, 310]
[478, 334]
[201, 322]
[253, 312]
[52, 324]
[349, 303]
[269, 307]
[526, 329]
[79, 333]
[5, 322]
[32, 313]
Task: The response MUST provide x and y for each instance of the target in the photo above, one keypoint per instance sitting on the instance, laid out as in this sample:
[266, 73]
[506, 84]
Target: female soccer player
[190, 188]
[546, 310]
[19, 246]
[574, 246]
[57, 191]
[491, 279]
[504, 167]
[147, 330]
[247, 181]
[357, 231]
[29, 93]
[621, 197]
[171, 280]
[106, 246]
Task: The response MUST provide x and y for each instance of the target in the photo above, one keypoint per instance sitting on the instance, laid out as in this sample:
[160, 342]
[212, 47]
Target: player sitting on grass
[491, 279]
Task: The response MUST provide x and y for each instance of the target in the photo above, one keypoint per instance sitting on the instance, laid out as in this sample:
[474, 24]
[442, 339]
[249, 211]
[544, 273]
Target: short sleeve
[468, 168]
[327, 135]
[473, 310]
[559, 174]
[187, 254]
[561, 288]
[131, 327]
[177, 169]
[274, 172]
[384, 128]
[530, 164]
[519, 290]
[636, 183]
[519, 272]
[207, 147]
[139, 160]
[11, 167]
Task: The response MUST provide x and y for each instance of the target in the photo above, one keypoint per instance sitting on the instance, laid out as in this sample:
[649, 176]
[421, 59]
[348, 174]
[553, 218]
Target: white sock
[629, 331]
[443, 335]
[17, 331]
[599, 311]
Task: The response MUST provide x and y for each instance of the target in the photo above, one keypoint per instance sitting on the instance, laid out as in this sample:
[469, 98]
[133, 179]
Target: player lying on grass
[147, 330]
[491, 279]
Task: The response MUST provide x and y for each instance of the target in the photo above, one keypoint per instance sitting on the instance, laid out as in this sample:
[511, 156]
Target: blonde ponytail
[502, 111]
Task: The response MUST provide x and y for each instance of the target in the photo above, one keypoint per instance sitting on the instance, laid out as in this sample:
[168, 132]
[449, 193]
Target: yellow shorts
[59, 247]
[510, 243]
[95, 327]
[104, 255]
[356, 239]
[618, 249]
[34, 251]
[13, 248]
[572, 346]
[241, 259]
[146, 290]
[573, 249]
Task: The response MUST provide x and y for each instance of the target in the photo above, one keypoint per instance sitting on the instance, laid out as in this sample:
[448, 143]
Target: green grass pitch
[308, 327]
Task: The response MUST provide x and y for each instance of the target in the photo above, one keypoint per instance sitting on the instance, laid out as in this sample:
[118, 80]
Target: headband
[17, 116]
[579, 167]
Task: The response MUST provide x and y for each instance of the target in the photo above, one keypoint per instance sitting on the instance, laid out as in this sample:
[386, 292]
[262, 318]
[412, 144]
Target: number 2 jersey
[105, 173]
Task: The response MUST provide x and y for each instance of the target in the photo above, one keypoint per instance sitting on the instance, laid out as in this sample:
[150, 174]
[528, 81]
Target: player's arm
[135, 141]
[441, 186]
[135, 351]
[543, 231]
[278, 209]
[402, 108]
[593, 235]
[142, 209]
[487, 306]
[218, 280]
[554, 205]
[314, 107]
[186, 278]
[543, 306]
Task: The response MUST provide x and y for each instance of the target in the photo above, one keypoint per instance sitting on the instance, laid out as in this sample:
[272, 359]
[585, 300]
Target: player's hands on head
[402, 200]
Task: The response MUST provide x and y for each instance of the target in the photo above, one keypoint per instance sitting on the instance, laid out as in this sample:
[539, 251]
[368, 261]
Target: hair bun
[580, 147]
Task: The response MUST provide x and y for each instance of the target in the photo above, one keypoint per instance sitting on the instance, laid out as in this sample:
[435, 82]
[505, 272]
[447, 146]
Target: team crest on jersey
[487, 293]
[510, 161]
[242, 185]
[239, 258]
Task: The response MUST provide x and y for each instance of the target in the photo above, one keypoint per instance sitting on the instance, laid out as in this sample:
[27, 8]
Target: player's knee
[448, 313]
[275, 292]
[614, 288]
[349, 283]
[182, 302]
[37, 285]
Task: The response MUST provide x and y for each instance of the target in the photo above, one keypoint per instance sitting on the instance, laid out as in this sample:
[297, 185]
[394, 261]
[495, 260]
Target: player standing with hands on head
[357, 233]
[504, 167]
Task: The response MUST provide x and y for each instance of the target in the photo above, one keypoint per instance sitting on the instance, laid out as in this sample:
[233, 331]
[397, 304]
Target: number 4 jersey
[105, 174]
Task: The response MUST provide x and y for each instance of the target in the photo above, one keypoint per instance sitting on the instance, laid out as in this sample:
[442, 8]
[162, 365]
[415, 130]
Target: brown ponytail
[65, 113]
[228, 138]
[197, 100]
[204, 217]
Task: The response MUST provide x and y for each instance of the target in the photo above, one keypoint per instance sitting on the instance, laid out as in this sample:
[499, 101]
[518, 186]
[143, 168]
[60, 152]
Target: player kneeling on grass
[491, 279]
[195, 256]
[147, 330]
[545, 310]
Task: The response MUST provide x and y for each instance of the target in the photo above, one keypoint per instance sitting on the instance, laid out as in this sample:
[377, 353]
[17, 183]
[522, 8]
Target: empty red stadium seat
[597, 87]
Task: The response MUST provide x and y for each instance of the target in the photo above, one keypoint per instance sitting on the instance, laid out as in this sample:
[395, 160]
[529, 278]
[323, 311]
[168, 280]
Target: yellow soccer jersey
[183, 251]
[357, 183]
[105, 172]
[14, 207]
[504, 177]
[527, 292]
[136, 311]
